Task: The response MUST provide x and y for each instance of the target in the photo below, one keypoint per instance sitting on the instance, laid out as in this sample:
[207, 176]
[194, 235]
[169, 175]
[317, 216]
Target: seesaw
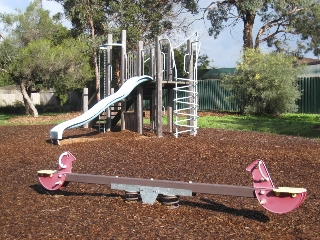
[274, 199]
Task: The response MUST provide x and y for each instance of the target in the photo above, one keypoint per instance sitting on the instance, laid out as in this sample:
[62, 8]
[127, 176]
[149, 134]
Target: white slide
[98, 108]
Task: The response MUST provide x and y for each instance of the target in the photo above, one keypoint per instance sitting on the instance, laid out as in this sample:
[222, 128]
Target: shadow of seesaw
[207, 204]
[219, 207]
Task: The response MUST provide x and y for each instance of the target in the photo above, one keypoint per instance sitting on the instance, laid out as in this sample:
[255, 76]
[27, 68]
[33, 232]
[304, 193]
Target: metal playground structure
[274, 199]
[158, 62]
[149, 69]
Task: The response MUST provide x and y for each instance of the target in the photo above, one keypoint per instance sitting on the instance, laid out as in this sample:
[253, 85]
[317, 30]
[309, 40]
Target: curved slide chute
[98, 108]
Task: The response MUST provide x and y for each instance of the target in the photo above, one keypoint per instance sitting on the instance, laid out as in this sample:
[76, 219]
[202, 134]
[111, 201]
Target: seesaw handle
[53, 179]
[277, 200]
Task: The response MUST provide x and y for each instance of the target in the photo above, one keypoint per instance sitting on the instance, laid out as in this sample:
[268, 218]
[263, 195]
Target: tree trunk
[248, 21]
[96, 68]
[27, 100]
[95, 58]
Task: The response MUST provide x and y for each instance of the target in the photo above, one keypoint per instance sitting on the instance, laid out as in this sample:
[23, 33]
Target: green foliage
[204, 62]
[63, 67]
[179, 55]
[143, 19]
[73, 70]
[217, 16]
[39, 53]
[264, 83]
[146, 19]
[5, 80]
[87, 14]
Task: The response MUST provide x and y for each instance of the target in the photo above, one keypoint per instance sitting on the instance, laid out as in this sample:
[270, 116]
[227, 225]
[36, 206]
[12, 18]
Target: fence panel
[214, 98]
[310, 95]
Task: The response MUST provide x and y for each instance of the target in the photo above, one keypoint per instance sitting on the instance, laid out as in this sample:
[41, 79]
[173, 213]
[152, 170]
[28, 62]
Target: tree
[143, 20]
[204, 62]
[89, 17]
[280, 19]
[63, 67]
[37, 54]
[264, 83]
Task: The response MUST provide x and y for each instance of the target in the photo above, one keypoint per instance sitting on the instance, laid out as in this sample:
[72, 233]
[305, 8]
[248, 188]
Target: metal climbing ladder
[186, 91]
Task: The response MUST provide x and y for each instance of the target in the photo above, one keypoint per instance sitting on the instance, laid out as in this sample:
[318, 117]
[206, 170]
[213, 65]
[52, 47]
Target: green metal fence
[310, 95]
[214, 98]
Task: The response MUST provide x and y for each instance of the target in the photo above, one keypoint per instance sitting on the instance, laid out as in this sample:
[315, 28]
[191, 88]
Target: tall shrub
[264, 83]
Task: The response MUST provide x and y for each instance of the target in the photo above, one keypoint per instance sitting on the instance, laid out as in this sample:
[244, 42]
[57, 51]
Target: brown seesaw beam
[277, 200]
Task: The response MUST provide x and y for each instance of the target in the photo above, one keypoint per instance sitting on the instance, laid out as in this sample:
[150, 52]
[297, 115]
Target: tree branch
[276, 22]
[207, 9]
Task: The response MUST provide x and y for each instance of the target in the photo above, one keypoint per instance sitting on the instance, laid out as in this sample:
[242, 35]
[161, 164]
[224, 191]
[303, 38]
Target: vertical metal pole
[158, 88]
[195, 90]
[191, 87]
[153, 100]
[170, 110]
[108, 81]
[169, 63]
[170, 91]
[139, 90]
[153, 110]
[122, 76]
[85, 104]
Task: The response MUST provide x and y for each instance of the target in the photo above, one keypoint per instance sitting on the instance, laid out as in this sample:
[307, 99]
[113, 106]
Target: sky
[224, 51]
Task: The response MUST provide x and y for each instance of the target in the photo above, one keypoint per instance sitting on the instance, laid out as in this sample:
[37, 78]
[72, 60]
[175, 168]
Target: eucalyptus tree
[279, 19]
[36, 53]
[88, 18]
[143, 20]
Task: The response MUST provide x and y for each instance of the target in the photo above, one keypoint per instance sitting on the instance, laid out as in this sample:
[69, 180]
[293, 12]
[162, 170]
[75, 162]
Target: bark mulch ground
[87, 211]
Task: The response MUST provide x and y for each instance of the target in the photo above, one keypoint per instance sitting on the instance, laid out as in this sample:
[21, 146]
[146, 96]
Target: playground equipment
[277, 200]
[92, 113]
[162, 74]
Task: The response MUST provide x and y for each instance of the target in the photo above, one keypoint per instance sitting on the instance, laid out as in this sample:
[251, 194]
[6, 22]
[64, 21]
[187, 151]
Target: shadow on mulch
[81, 135]
[41, 190]
[219, 207]
[209, 205]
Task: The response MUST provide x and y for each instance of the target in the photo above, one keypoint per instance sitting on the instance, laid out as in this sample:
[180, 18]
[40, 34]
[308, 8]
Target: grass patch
[4, 118]
[45, 118]
[304, 125]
